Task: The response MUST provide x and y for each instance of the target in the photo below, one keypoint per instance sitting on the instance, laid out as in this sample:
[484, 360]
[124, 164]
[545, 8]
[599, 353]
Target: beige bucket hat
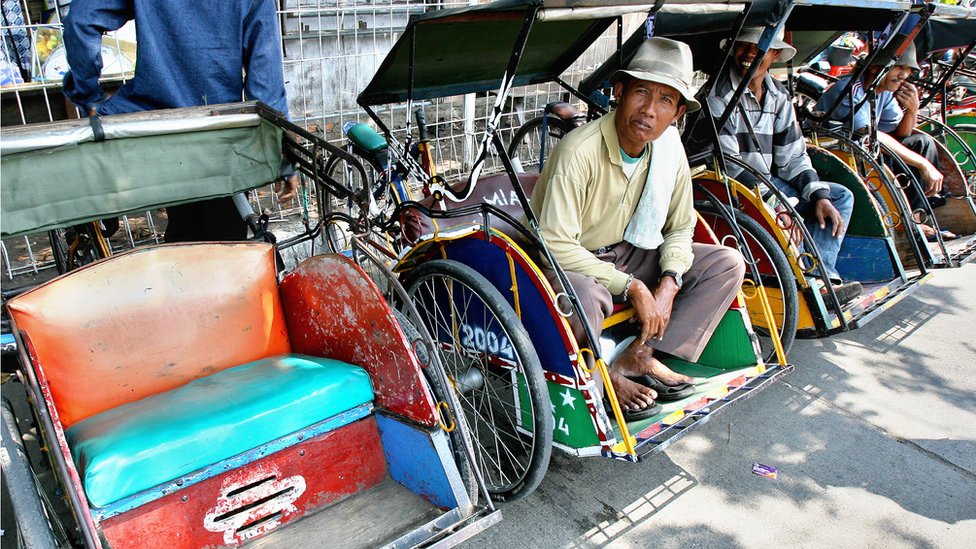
[751, 35]
[907, 57]
[663, 61]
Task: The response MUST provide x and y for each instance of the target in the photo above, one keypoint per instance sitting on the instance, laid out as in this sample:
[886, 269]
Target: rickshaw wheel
[767, 251]
[527, 141]
[458, 437]
[494, 372]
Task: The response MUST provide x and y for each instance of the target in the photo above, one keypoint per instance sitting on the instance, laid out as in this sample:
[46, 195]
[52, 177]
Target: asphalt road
[873, 434]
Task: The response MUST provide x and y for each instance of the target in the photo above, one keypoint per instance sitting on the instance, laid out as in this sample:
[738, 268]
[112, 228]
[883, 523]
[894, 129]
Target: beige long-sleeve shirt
[584, 200]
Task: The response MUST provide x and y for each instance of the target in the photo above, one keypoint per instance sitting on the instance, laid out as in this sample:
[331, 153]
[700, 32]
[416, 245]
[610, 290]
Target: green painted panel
[963, 150]
[865, 221]
[571, 418]
[964, 119]
[969, 139]
[730, 347]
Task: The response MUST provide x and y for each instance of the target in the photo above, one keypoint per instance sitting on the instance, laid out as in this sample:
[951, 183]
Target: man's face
[644, 110]
[744, 56]
[897, 76]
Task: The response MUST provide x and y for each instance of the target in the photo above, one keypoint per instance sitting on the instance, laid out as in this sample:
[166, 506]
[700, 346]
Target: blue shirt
[190, 53]
[888, 112]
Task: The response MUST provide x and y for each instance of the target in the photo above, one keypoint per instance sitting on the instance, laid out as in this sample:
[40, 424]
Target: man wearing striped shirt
[764, 133]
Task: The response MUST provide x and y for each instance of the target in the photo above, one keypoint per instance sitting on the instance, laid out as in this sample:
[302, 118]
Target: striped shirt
[781, 150]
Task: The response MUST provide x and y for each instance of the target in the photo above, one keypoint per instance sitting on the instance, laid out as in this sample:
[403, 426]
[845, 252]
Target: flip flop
[665, 392]
[946, 235]
[631, 416]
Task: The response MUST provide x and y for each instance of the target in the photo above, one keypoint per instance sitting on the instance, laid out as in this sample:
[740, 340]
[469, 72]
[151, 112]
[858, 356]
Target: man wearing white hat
[614, 204]
[764, 133]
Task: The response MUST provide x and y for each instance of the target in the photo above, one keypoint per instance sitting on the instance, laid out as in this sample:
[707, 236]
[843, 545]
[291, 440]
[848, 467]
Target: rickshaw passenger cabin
[198, 403]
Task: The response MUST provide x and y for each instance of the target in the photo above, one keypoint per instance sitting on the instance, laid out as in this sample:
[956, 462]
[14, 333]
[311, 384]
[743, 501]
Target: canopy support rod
[491, 127]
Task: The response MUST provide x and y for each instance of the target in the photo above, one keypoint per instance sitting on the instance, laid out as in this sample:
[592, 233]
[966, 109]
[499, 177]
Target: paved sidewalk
[874, 436]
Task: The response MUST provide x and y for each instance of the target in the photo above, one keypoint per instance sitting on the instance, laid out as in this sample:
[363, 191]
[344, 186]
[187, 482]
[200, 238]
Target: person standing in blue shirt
[190, 53]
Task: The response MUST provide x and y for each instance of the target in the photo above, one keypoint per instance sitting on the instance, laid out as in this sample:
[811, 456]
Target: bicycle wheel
[338, 236]
[459, 438]
[494, 371]
[775, 273]
[527, 143]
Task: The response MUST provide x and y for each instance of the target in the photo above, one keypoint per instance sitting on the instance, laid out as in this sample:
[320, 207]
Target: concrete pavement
[874, 436]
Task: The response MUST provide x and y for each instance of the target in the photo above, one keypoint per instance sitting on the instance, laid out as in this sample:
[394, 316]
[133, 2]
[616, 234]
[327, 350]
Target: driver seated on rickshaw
[896, 115]
[614, 203]
[764, 133]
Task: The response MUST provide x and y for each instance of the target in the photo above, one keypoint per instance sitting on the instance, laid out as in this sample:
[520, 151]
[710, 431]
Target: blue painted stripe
[240, 460]
[414, 462]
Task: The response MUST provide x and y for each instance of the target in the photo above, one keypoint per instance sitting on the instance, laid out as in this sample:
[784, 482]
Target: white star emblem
[568, 399]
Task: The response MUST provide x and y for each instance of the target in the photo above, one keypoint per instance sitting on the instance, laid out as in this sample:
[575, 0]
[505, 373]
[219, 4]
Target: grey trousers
[709, 288]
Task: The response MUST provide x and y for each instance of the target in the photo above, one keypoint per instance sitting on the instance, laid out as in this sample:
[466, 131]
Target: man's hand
[652, 310]
[286, 189]
[907, 97]
[932, 178]
[825, 210]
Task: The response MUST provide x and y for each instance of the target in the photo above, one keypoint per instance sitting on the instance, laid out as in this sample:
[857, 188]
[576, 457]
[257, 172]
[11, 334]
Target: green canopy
[57, 175]
[467, 50]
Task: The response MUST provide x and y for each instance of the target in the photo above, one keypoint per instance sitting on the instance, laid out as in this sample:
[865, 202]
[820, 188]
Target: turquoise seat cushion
[139, 445]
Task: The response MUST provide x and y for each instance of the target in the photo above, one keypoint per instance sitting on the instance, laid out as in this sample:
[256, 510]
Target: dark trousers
[207, 220]
[709, 288]
[923, 145]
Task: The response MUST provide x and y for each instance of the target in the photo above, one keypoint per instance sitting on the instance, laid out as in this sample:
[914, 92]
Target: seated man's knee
[730, 261]
[841, 196]
[738, 264]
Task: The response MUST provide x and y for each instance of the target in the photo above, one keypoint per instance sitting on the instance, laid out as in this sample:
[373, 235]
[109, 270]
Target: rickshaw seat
[811, 85]
[164, 360]
[154, 440]
[494, 189]
[150, 320]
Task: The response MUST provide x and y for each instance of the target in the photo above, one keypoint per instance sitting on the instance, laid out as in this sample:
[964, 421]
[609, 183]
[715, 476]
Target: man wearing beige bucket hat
[896, 115]
[614, 204]
[764, 133]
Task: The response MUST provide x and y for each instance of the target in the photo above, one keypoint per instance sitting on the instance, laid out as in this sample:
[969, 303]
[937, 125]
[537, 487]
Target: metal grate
[330, 50]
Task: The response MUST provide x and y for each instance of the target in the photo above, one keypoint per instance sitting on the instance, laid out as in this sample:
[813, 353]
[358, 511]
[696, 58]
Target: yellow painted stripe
[623, 447]
[718, 393]
[618, 317]
[673, 417]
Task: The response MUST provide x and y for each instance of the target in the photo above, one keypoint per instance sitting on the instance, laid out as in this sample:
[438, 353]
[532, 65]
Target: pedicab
[471, 255]
[193, 395]
[954, 211]
[869, 252]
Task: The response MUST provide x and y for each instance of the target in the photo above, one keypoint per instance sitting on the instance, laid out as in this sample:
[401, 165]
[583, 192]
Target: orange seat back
[147, 321]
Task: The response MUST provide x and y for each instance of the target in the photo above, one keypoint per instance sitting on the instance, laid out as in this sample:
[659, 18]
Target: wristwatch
[675, 275]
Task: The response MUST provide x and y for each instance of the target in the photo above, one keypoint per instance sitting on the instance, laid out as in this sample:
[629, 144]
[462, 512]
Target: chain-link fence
[330, 51]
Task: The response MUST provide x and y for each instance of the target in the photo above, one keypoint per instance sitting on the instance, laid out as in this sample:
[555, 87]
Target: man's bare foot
[631, 395]
[638, 360]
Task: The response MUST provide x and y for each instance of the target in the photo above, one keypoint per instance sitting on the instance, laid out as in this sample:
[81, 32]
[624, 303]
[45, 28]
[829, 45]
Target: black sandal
[631, 416]
[665, 392]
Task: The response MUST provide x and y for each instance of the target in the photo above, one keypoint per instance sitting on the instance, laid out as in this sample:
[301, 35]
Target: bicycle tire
[337, 239]
[458, 438]
[494, 371]
[527, 141]
[781, 279]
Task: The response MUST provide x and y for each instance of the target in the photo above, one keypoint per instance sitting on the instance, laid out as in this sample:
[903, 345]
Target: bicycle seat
[367, 138]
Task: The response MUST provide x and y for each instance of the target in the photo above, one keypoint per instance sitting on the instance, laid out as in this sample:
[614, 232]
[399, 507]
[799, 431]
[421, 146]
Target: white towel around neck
[645, 226]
